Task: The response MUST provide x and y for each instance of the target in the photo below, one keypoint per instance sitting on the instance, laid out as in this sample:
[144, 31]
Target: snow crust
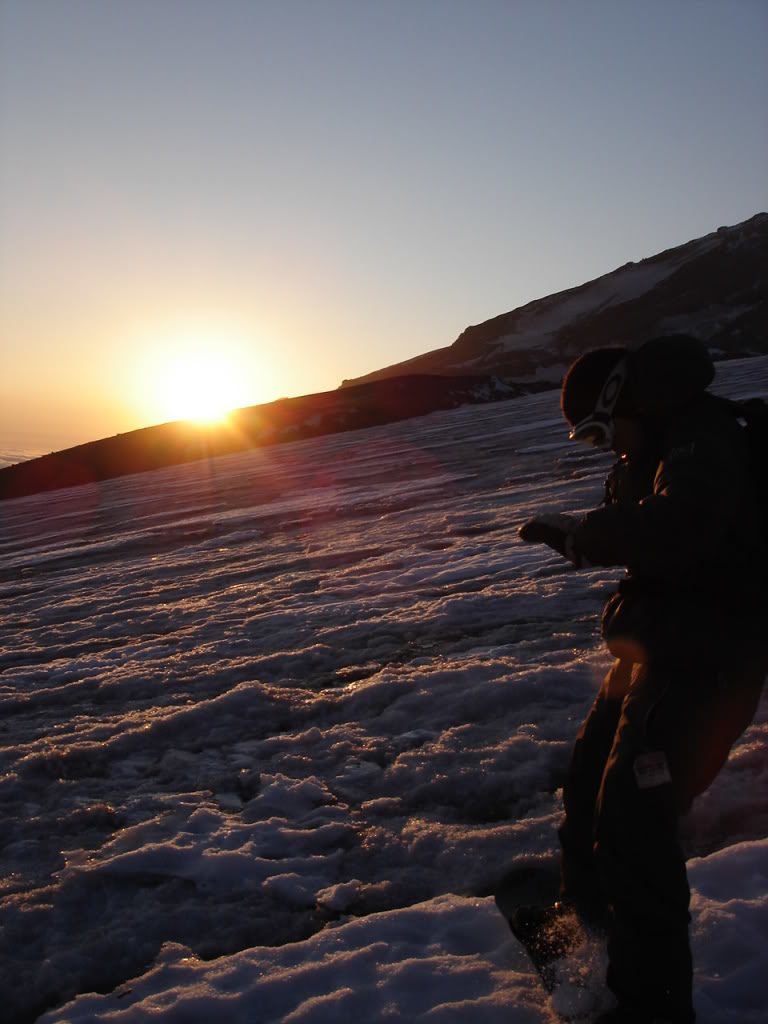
[275, 725]
[548, 316]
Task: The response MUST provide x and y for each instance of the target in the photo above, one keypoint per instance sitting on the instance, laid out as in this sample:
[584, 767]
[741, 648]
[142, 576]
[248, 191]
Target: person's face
[628, 438]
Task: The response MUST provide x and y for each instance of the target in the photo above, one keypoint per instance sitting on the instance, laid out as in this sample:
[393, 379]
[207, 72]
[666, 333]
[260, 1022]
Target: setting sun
[201, 387]
[189, 378]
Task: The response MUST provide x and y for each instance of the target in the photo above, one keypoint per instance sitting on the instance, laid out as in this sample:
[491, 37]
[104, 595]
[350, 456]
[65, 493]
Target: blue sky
[278, 194]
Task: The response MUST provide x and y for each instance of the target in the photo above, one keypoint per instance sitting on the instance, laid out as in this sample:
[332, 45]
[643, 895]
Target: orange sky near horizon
[228, 203]
[141, 374]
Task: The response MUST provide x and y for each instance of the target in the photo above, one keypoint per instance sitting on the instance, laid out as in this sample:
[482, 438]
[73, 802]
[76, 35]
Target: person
[687, 629]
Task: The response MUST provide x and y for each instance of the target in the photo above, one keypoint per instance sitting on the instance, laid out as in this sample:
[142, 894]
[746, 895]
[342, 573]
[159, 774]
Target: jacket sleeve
[697, 495]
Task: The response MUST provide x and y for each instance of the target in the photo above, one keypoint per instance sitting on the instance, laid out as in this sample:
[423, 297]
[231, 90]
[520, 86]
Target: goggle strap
[609, 394]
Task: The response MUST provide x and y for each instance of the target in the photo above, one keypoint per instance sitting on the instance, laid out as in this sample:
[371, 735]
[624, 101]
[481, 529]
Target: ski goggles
[598, 429]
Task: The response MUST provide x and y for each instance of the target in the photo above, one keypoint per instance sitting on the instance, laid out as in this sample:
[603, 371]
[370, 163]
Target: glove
[555, 529]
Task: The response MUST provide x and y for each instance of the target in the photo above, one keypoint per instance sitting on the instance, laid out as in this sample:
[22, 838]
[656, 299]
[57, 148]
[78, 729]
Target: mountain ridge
[287, 419]
[714, 287]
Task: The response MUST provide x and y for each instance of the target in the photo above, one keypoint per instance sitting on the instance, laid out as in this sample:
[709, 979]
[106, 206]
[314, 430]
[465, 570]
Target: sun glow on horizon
[198, 381]
[201, 389]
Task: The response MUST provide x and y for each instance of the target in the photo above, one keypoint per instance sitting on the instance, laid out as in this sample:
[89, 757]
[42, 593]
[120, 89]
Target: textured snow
[623, 285]
[274, 726]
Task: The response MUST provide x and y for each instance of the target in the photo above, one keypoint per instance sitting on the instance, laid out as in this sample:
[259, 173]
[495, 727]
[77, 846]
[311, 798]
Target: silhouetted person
[688, 627]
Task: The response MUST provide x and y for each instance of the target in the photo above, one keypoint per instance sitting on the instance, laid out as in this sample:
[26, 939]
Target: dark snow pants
[654, 739]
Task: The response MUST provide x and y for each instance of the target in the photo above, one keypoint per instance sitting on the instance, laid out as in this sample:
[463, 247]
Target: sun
[201, 389]
[198, 372]
[200, 384]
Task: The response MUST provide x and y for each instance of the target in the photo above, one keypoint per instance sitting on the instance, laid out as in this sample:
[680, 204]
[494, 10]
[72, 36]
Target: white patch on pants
[651, 770]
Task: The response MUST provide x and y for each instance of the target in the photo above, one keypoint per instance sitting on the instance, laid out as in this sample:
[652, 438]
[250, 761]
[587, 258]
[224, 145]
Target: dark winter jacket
[682, 516]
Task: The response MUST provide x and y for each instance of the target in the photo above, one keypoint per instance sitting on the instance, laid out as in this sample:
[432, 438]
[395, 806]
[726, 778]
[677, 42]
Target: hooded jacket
[682, 515]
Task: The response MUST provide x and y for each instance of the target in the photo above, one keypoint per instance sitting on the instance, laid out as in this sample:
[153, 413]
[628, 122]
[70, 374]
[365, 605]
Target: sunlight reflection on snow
[271, 724]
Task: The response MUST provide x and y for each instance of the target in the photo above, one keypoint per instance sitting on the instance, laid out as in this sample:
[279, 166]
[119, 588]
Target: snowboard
[567, 958]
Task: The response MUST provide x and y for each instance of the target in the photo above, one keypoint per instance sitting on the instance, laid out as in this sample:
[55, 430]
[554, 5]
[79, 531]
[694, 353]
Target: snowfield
[276, 726]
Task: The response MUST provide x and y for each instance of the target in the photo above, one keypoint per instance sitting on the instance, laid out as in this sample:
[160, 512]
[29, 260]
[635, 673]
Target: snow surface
[275, 726]
[546, 316]
[539, 322]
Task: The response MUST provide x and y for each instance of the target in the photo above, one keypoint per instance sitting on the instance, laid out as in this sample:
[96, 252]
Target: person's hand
[555, 529]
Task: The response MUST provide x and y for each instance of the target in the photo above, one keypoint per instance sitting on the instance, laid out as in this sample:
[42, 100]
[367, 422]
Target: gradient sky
[299, 191]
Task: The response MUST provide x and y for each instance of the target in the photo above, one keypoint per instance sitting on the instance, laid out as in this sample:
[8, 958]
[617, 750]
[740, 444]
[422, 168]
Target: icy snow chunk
[729, 909]
[339, 897]
[293, 889]
[714, 879]
[288, 798]
[447, 960]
